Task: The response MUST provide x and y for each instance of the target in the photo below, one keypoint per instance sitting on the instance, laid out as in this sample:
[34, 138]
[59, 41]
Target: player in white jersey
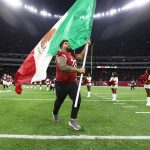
[11, 80]
[4, 81]
[145, 79]
[88, 84]
[47, 81]
[114, 85]
[8, 81]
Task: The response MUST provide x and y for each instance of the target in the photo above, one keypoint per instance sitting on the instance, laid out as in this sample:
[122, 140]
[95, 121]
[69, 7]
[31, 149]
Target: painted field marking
[119, 103]
[132, 100]
[48, 99]
[129, 106]
[142, 112]
[74, 137]
[7, 91]
[27, 99]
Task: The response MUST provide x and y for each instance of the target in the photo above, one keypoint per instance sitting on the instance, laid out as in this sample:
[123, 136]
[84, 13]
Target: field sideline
[26, 121]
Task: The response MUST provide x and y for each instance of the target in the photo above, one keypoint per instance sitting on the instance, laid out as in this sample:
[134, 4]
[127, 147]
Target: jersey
[66, 77]
[115, 82]
[144, 78]
[4, 79]
[132, 83]
[147, 86]
[88, 81]
[47, 81]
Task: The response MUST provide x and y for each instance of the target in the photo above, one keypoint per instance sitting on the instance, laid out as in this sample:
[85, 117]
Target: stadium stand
[118, 45]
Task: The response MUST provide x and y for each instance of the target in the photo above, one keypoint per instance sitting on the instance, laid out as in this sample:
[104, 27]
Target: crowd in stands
[130, 41]
[129, 46]
[108, 40]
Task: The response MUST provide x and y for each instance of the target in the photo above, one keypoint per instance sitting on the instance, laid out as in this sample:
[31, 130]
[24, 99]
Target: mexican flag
[75, 26]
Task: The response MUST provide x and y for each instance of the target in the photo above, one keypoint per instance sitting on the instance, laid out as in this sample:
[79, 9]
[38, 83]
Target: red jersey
[144, 78]
[66, 77]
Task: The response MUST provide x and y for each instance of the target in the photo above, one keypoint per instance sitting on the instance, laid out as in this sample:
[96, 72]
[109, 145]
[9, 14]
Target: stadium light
[136, 3]
[14, 3]
[103, 14]
[97, 15]
[30, 8]
[119, 9]
[107, 13]
[113, 12]
[44, 13]
[140, 3]
[49, 14]
[56, 16]
[60, 16]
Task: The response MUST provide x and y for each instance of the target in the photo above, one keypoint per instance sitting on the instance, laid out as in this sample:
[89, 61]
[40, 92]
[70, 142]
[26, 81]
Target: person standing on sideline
[47, 84]
[53, 85]
[132, 84]
[145, 79]
[114, 85]
[4, 81]
[66, 84]
[88, 84]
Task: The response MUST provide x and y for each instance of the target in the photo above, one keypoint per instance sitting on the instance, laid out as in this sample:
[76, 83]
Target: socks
[89, 93]
[148, 101]
[114, 97]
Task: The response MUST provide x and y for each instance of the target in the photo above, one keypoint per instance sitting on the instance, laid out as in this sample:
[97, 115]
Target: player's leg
[61, 93]
[148, 96]
[74, 111]
[89, 91]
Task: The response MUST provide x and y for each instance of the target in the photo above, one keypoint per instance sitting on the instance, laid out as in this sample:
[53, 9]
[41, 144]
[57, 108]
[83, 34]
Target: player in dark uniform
[65, 84]
[52, 87]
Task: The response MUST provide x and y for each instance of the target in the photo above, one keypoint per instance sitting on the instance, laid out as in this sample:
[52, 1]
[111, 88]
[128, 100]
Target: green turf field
[30, 114]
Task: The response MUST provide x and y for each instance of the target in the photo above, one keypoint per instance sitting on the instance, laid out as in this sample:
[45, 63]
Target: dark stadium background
[121, 41]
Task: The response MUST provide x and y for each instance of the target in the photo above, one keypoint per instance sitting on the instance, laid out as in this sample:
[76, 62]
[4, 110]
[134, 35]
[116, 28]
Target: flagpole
[92, 59]
[83, 66]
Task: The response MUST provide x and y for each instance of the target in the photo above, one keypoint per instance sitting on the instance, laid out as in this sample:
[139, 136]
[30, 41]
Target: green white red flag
[75, 26]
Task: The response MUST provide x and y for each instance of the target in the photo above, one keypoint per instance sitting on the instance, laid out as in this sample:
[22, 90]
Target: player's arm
[148, 80]
[110, 79]
[62, 63]
[80, 57]
[116, 81]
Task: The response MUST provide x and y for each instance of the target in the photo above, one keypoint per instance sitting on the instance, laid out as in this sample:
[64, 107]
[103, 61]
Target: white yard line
[7, 91]
[27, 99]
[119, 103]
[142, 112]
[74, 137]
[131, 100]
[129, 106]
[48, 99]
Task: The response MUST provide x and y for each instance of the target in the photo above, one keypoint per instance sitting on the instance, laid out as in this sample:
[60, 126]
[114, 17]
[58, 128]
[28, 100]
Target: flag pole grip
[80, 81]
